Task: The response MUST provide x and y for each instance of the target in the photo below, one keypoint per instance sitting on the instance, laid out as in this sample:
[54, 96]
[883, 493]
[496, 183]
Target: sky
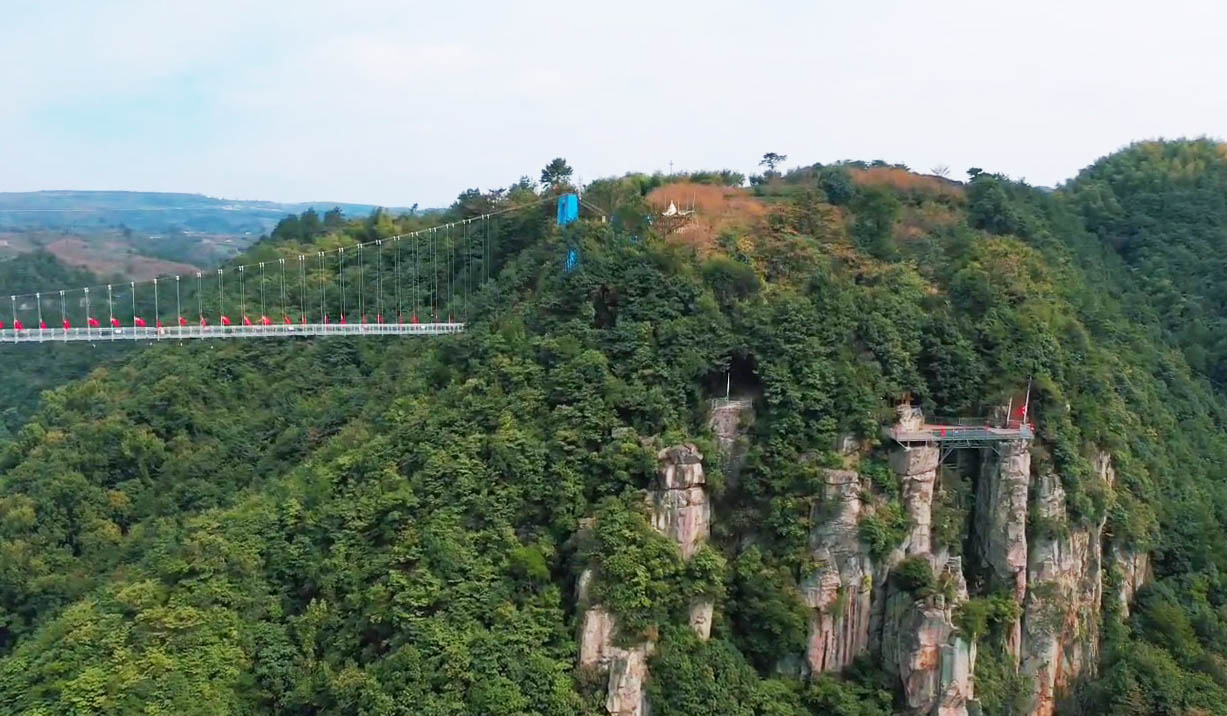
[399, 103]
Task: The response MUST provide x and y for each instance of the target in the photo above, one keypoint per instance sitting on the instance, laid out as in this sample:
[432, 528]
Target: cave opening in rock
[738, 380]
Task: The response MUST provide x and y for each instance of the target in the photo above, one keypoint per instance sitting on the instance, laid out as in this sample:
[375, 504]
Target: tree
[771, 160]
[556, 174]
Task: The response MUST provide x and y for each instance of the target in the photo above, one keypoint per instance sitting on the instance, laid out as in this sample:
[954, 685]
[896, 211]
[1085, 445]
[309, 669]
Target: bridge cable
[379, 274]
[302, 294]
[285, 310]
[156, 320]
[361, 290]
[63, 312]
[38, 298]
[178, 304]
[415, 281]
[200, 297]
[13, 300]
[133, 287]
[242, 296]
[221, 297]
[400, 316]
[111, 310]
[263, 306]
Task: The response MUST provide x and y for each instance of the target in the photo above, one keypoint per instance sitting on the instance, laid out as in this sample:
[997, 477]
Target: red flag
[266, 320]
[17, 325]
[114, 322]
[287, 320]
[1021, 412]
[182, 321]
[325, 319]
[225, 320]
[94, 322]
[159, 324]
[415, 318]
[342, 319]
[379, 318]
[1, 325]
[42, 325]
[139, 322]
[203, 321]
[364, 318]
[246, 321]
[67, 325]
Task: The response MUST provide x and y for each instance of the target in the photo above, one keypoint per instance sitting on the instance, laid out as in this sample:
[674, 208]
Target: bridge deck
[171, 333]
[961, 435]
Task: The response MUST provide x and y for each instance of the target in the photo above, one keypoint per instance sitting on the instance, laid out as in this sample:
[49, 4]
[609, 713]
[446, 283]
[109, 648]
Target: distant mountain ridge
[153, 211]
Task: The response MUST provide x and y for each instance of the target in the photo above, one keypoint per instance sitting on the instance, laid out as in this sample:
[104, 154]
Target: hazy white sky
[403, 102]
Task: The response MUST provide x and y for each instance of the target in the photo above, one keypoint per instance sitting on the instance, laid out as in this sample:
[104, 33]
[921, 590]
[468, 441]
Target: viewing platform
[914, 430]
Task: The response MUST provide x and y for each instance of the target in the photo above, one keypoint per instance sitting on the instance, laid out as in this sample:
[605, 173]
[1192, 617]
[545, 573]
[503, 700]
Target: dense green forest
[390, 527]
[29, 371]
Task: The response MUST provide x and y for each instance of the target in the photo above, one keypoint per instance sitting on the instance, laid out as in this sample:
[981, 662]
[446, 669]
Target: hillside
[556, 513]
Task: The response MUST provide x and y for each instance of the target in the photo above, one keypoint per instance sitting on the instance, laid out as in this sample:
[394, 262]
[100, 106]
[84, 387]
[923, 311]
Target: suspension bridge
[414, 284]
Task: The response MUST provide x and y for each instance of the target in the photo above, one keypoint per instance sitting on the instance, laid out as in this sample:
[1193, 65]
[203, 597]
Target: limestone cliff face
[1062, 617]
[840, 590]
[1001, 522]
[917, 468]
[934, 664]
[681, 511]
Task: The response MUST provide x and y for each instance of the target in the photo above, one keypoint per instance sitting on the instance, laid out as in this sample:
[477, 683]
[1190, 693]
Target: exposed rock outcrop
[1062, 617]
[840, 590]
[917, 468]
[933, 662]
[729, 420]
[680, 509]
[1001, 521]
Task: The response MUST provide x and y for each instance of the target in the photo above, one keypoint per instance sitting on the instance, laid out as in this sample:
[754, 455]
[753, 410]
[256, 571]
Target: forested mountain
[549, 513]
[25, 373]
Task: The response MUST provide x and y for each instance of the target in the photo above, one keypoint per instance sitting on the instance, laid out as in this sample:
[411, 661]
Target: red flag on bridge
[265, 320]
[182, 321]
[42, 325]
[342, 319]
[379, 318]
[17, 325]
[203, 321]
[139, 322]
[67, 325]
[225, 320]
[415, 318]
[246, 321]
[114, 322]
[94, 322]
[287, 320]
[1021, 412]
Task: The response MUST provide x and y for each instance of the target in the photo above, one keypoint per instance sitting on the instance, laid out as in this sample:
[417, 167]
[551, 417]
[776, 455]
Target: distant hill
[145, 212]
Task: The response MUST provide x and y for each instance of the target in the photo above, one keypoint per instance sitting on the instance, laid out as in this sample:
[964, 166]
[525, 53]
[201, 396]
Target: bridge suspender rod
[468, 265]
[200, 297]
[361, 302]
[450, 270]
[63, 312]
[400, 316]
[341, 278]
[178, 304]
[132, 285]
[415, 279]
[323, 291]
[242, 296]
[263, 307]
[156, 319]
[88, 327]
[221, 298]
[285, 310]
[379, 289]
[111, 310]
[13, 300]
[302, 295]
[38, 298]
